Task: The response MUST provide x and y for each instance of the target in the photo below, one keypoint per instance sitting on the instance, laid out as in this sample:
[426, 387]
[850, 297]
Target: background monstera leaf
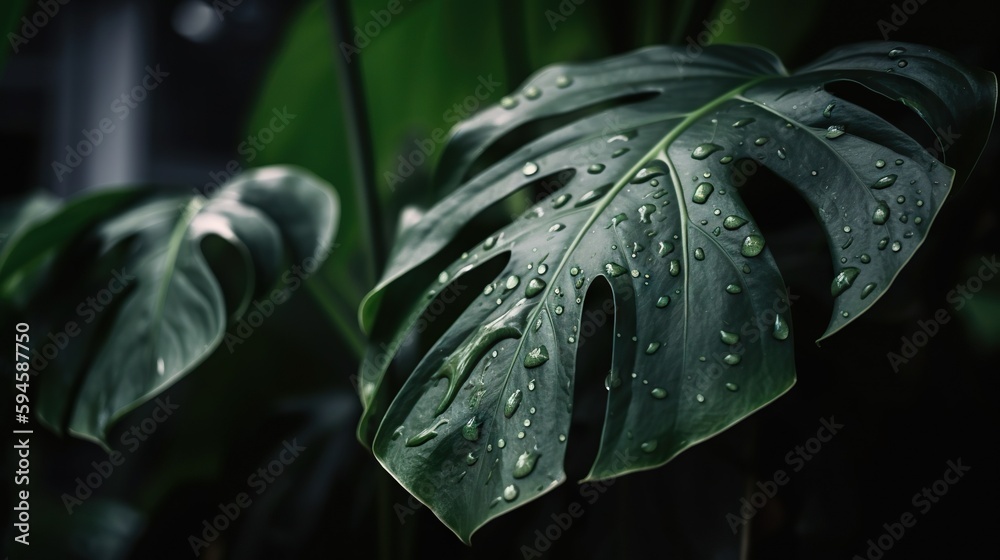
[168, 275]
[642, 157]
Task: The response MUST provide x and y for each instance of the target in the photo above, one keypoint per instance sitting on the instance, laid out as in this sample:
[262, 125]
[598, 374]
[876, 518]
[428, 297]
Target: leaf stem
[359, 145]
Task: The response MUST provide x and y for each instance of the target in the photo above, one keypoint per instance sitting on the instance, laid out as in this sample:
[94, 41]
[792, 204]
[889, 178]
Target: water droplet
[901, 64]
[884, 182]
[883, 243]
[470, 430]
[543, 268]
[595, 168]
[896, 52]
[536, 357]
[532, 92]
[525, 464]
[659, 393]
[513, 401]
[531, 386]
[725, 159]
[903, 218]
[561, 200]
[753, 245]
[556, 227]
[591, 196]
[648, 446]
[865, 258]
[489, 243]
[512, 281]
[508, 102]
[732, 359]
[699, 254]
[761, 141]
[880, 163]
[834, 131]
[868, 289]
[781, 153]
[733, 222]
[664, 248]
[397, 432]
[663, 301]
[702, 151]
[652, 170]
[501, 443]
[780, 330]
[615, 269]
[732, 387]
[881, 214]
[612, 381]
[529, 169]
[574, 271]
[619, 152]
[426, 435]
[729, 338]
[702, 192]
[652, 348]
[675, 267]
[900, 199]
[734, 289]
[534, 287]
[828, 112]
[896, 246]
[645, 211]
[699, 397]
[510, 493]
[843, 280]
[564, 81]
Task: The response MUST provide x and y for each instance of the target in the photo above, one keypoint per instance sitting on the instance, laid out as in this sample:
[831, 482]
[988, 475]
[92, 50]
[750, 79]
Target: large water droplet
[510, 493]
[675, 267]
[761, 141]
[530, 168]
[426, 435]
[734, 289]
[535, 286]
[525, 464]
[664, 248]
[653, 170]
[652, 348]
[828, 112]
[470, 430]
[591, 196]
[881, 214]
[699, 254]
[536, 357]
[489, 243]
[645, 211]
[615, 269]
[896, 246]
[532, 92]
[843, 280]
[702, 151]
[659, 393]
[732, 359]
[702, 192]
[896, 52]
[733, 222]
[663, 302]
[780, 330]
[595, 168]
[564, 81]
[753, 245]
[834, 131]
[513, 401]
[512, 281]
[729, 338]
[884, 182]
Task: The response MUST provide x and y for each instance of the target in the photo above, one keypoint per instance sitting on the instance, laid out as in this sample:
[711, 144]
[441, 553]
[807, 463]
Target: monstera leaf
[649, 150]
[162, 308]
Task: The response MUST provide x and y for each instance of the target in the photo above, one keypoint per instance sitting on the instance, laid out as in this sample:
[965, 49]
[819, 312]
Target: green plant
[640, 160]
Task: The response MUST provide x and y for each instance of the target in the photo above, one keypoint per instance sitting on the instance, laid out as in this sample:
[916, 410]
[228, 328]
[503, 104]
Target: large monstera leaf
[164, 307]
[703, 336]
